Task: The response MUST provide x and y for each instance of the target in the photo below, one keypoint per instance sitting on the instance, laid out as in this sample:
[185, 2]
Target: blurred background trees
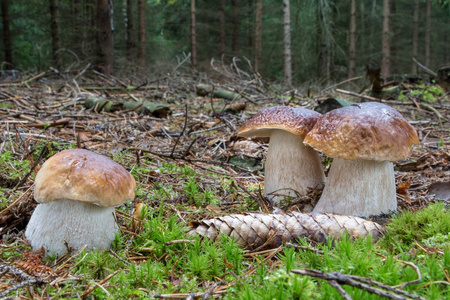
[330, 40]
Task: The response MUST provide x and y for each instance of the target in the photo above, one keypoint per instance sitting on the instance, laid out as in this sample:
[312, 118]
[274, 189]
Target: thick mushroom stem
[291, 167]
[63, 224]
[359, 188]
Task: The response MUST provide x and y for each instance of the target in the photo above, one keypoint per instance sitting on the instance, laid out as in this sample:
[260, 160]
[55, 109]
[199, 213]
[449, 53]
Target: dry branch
[336, 279]
[27, 279]
[269, 230]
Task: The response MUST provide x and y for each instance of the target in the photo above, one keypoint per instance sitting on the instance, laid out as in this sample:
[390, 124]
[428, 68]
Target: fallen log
[206, 89]
[253, 230]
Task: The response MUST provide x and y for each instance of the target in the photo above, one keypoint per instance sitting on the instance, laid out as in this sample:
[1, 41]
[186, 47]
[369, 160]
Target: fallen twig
[428, 71]
[28, 280]
[87, 292]
[211, 289]
[182, 131]
[362, 283]
[296, 246]
[373, 98]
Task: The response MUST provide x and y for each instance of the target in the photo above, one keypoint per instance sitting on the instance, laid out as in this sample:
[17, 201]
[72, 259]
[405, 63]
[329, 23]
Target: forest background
[294, 41]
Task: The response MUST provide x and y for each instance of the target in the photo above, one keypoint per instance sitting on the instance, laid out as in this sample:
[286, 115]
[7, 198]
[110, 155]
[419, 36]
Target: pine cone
[254, 230]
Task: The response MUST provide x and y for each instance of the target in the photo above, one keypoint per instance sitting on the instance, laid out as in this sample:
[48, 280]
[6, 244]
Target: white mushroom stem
[359, 188]
[63, 224]
[291, 167]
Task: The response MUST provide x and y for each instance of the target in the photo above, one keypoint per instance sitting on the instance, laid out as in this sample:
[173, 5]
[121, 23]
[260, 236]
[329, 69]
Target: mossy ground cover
[184, 172]
[161, 259]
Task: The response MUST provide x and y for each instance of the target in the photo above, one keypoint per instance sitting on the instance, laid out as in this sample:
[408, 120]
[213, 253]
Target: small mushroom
[291, 167]
[364, 139]
[77, 190]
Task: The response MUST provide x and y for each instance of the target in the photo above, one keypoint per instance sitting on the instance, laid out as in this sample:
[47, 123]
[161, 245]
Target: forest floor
[190, 165]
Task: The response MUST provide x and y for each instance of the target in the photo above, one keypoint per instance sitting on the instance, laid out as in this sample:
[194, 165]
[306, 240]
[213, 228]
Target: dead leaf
[214, 208]
[441, 190]
[403, 187]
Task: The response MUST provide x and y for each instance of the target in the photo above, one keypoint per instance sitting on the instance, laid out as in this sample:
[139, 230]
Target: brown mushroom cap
[81, 175]
[297, 121]
[370, 130]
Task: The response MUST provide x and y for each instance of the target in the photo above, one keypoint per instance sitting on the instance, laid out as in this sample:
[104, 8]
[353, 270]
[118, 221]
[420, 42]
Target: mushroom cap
[295, 120]
[370, 130]
[82, 175]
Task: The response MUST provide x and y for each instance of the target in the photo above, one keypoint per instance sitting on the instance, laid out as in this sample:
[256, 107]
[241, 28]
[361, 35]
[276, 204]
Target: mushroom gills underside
[291, 167]
[359, 188]
[64, 224]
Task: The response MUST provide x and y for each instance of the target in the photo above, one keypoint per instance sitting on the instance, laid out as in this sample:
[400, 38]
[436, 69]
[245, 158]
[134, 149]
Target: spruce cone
[254, 230]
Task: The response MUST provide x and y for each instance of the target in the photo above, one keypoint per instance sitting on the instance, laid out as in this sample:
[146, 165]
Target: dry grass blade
[88, 291]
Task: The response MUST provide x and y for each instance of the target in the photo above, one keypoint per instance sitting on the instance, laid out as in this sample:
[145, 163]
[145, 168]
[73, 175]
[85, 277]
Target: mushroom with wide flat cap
[291, 167]
[77, 190]
[363, 140]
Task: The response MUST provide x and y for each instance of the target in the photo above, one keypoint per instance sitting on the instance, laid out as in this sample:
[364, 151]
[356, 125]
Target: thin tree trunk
[393, 35]
[235, 6]
[352, 41]
[428, 35]
[362, 29]
[373, 17]
[131, 32]
[386, 42]
[287, 42]
[222, 27]
[324, 27]
[250, 29]
[7, 35]
[415, 41]
[142, 53]
[193, 38]
[258, 37]
[447, 47]
[56, 41]
[76, 29]
[90, 16]
[105, 54]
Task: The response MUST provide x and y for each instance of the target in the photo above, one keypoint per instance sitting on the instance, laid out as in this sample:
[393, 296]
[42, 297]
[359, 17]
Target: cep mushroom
[291, 167]
[77, 190]
[363, 140]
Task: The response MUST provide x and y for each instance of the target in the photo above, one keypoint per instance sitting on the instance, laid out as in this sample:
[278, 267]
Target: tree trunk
[142, 57]
[393, 35]
[76, 27]
[250, 25]
[324, 40]
[258, 38]
[372, 39]
[363, 37]
[56, 41]
[415, 41]
[386, 42]
[7, 35]
[287, 42]
[222, 27]
[105, 54]
[447, 46]
[193, 38]
[235, 5]
[90, 21]
[428, 35]
[131, 32]
[352, 41]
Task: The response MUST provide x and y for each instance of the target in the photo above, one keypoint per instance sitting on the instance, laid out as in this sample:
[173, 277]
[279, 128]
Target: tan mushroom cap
[81, 175]
[370, 130]
[297, 121]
